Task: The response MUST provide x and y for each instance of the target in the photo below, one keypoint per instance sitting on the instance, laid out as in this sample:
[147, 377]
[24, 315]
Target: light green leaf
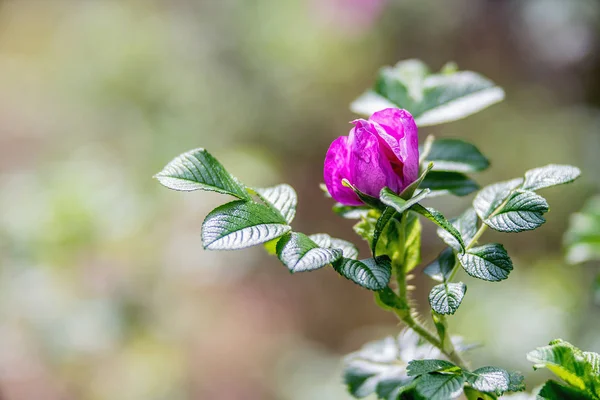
[550, 175]
[442, 183]
[372, 273]
[297, 252]
[431, 99]
[380, 227]
[440, 386]
[393, 200]
[465, 224]
[489, 379]
[282, 198]
[456, 155]
[241, 224]
[441, 221]
[199, 170]
[523, 211]
[555, 391]
[365, 228]
[580, 370]
[489, 262]
[492, 196]
[440, 269]
[472, 394]
[421, 367]
[412, 242]
[445, 298]
[583, 237]
[327, 242]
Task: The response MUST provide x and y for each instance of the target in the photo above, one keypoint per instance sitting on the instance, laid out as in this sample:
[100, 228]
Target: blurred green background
[105, 291]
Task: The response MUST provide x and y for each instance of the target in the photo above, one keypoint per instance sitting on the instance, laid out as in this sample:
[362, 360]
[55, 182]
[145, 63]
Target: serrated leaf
[465, 224]
[445, 182]
[282, 198]
[489, 262]
[440, 386]
[440, 269]
[489, 379]
[523, 211]
[491, 197]
[241, 224]
[297, 252]
[578, 369]
[441, 221]
[550, 175]
[431, 99]
[421, 367]
[555, 391]
[445, 298]
[391, 199]
[456, 155]
[372, 273]
[327, 242]
[199, 170]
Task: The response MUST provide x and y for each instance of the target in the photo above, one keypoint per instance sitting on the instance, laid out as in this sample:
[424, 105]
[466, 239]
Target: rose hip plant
[379, 176]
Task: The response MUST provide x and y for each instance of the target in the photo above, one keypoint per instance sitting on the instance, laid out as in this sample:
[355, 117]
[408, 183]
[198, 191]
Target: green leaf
[465, 224]
[412, 242]
[241, 224]
[443, 182]
[365, 228]
[492, 196]
[282, 198]
[441, 221]
[372, 273]
[516, 382]
[583, 236]
[440, 386]
[550, 175]
[410, 190]
[380, 227]
[472, 394]
[350, 212]
[297, 252]
[431, 99]
[421, 367]
[327, 242]
[579, 369]
[440, 269]
[555, 391]
[489, 379]
[445, 298]
[523, 211]
[199, 170]
[391, 199]
[489, 262]
[456, 155]
[365, 198]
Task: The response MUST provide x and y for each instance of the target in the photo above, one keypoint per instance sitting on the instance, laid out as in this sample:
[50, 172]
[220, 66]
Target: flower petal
[336, 169]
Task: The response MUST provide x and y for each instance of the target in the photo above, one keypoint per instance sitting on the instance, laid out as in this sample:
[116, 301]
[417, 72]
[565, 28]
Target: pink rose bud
[383, 151]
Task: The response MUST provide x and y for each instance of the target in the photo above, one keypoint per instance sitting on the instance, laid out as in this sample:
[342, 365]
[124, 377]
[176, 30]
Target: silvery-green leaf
[297, 252]
[440, 386]
[445, 298]
[492, 196]
[523, 211]
[282, 198]
[489, 379]
[441, 221]
[465, 224]
[550, 175]
[489, 262]
[372, 273]
[241, 224]
[199, 170]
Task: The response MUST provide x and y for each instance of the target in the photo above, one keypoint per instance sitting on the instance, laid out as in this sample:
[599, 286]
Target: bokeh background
[105, 291]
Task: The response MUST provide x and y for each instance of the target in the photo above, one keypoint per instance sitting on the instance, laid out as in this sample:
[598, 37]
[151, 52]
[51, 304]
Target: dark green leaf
[489, 262]
[456, 155]
[297, 252]
[523, 211]
[442, 266]
[393, 200]
[555, 391]
[441, 221]
[380, 226]
[327, 242]
[445, 298]
[372, 273]
[282, 198]
[444, 182]
[516, 382]
[241, 224]
[421, 367]
[350, 212]
[199, 170]
[550, 175]
[440, 386]
[492, 196]
[489, 379]
[431, 99]
[465, 224]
